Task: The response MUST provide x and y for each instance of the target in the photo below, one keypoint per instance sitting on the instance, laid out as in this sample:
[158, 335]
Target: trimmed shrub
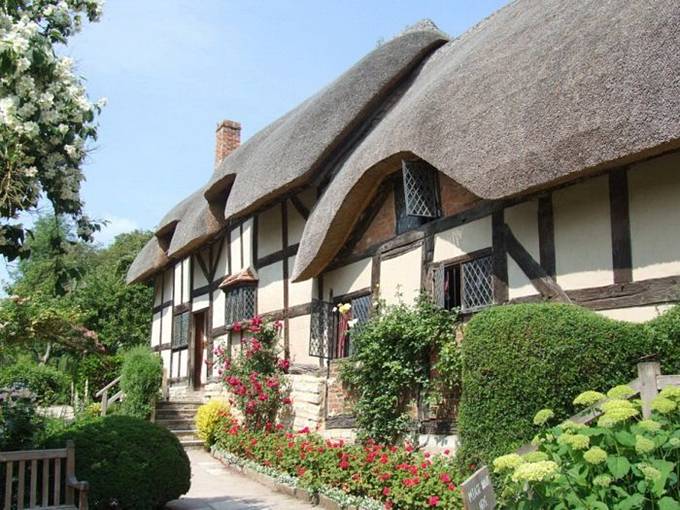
[49, 385]
[665, 332]
[518, 359]
[208, 417]
[129, 463]
[140, 381]
[19, 423]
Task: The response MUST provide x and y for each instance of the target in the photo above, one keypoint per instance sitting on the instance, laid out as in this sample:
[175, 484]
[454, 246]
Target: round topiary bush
[129, 463]
[518, 359]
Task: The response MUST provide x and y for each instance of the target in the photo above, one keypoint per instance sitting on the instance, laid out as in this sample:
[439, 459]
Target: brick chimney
[227, 139]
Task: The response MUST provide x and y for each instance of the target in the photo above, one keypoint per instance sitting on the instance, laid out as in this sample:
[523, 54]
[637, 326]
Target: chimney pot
[227, 139]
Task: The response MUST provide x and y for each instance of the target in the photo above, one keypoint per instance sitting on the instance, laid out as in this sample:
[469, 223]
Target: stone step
[174, 423]
[184, 433]
[178, 406]
[190, 444]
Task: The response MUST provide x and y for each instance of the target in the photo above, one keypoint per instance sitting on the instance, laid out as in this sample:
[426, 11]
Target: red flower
[445, 478]
[426, 455]
[236, 327]
[279, 426]
[451, 487]
[304, 430]
[343, 464]
[433, 500]
[389, 505]
[411, 482]
[283, 364]
[301, 471]
[447, 451]
[384, 459]
[286, 401]
[386, 491]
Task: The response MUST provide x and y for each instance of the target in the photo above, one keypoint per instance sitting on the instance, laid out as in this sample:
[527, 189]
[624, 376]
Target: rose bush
[620, 462]
[400, 477]
[255, 378]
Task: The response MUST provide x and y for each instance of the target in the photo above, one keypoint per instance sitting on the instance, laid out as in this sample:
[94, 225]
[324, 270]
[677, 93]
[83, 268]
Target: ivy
[392, 365]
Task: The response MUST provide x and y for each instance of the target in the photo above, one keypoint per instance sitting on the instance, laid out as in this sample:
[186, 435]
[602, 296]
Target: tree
[46, 119]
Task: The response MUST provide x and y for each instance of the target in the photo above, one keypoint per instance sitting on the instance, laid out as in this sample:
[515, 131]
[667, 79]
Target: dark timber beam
[540, 279]
[299, 206]
[622, 258]
[499, 258]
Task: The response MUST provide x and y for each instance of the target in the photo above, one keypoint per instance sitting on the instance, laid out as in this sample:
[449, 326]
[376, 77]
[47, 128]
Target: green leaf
[625, 438]
[668, 503]
[634, 501]
[618, 466]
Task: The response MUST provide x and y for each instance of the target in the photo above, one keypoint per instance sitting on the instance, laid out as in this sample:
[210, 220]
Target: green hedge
[140, 380]
[129, 463]
[665, 334]
[49, 385]
[518, 359]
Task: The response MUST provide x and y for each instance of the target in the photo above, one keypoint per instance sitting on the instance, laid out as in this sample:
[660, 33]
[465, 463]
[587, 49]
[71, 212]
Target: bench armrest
[75, 484]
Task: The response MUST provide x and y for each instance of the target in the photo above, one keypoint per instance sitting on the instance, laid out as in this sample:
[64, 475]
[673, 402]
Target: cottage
[535, 157]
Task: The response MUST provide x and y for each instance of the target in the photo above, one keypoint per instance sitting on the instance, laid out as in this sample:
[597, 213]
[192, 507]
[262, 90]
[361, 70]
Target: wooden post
[648, 371]
[164, 384]
[105, 402]
[70, 470]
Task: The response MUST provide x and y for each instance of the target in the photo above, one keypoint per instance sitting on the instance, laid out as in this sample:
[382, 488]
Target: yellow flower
[649, 425]
[671, 392]
[648, 471]
[535, 471]
[663, 405]
[535, 456]
[543, 416]
[588, 398]
[344, 308]
[616, 411]
[507, 462]
[576, 441]
[643, 445]
[602, 480]
[595, 455]
[621, 391]
[571, 426]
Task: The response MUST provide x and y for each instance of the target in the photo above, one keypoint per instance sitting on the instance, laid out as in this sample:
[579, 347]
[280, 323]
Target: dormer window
[240, 296]
[416, 195]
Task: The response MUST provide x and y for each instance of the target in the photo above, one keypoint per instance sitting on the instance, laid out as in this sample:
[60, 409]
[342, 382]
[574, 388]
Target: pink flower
[278, 325]
[386, 491]
[286, 401]
[445, 478]
[433, 500]
[283, 364]
[304, 430]
[236, 327]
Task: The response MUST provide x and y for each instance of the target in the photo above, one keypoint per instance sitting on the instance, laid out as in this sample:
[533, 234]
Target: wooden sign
[478, 491]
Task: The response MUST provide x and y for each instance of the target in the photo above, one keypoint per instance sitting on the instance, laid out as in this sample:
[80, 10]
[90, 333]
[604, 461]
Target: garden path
[214, 487]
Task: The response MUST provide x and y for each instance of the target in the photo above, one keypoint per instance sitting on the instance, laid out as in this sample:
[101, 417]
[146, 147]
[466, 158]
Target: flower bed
[397, 477]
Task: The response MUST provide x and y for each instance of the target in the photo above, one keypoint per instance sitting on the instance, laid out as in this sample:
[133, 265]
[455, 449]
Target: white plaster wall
[176, 358]
[186, 280]
[235, 343]
[158, 290]
[199, 279]
[235, 251]
[583, 241]
[463, 239]
[184, 363]
[654, 191]
[165, 357]
[269, 231]
[223, 260]
[270, 288]
[301, 292]
[168, 278]
[218, 308]
[166, 320]
[523, 221]
[636, 314]
[299, 340]
[156, 329]
[200, 303]
[296, 224]
[346, 279]
[178, 284]
[400, 277]
[247, 240]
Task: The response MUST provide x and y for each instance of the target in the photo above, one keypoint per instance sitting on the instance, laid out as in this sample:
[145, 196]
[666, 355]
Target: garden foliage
[255, 377]
[518, 359]
[19, 423]
[398, 477]
[48, 385]
[665, 337]
[392, 365]
[208, 419]
[141, 378]
[129, 463]
[620, 462]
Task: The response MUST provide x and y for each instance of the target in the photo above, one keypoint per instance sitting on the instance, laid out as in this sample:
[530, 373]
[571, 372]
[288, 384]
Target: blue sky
[171, 69]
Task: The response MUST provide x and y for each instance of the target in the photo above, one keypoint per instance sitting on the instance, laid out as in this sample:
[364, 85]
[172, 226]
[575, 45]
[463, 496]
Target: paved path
[214, 487]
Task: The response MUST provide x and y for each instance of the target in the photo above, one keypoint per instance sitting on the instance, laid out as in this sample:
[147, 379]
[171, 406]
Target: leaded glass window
[323, 332]
[421, 190]
[180, 330]
[467, 285]
[239, 303]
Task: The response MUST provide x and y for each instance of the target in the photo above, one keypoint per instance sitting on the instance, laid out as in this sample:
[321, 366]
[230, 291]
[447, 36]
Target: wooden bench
[42, 469]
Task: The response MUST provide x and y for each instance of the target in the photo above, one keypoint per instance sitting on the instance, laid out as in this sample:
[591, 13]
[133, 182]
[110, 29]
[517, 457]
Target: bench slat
[45, 483]
[57, 481]
[21, 489]
[33, 454]
[34, 483]
[9, 475]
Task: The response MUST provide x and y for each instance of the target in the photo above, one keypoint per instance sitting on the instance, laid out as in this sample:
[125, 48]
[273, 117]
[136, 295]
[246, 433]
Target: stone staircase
[178, 417]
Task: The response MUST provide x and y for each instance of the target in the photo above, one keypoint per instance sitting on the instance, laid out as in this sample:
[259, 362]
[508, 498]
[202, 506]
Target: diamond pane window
[180, 330]
[361, 309]
[420, 189]
[477, 284]
[322, 338]
[239, 303]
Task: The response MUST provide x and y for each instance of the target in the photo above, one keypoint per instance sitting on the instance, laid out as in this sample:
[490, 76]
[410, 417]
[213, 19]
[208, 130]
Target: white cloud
[114, 225]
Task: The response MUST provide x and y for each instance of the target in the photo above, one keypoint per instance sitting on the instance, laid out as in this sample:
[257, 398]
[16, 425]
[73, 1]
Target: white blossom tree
[46, 118]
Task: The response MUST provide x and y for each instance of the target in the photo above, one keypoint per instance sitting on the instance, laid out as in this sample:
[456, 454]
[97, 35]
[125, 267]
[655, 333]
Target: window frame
[240, 290]
[175, 330]
[440, 270]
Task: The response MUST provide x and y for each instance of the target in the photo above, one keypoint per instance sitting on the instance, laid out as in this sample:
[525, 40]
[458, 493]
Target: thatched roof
[540, 92]
[293, 148]
[147, 262]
